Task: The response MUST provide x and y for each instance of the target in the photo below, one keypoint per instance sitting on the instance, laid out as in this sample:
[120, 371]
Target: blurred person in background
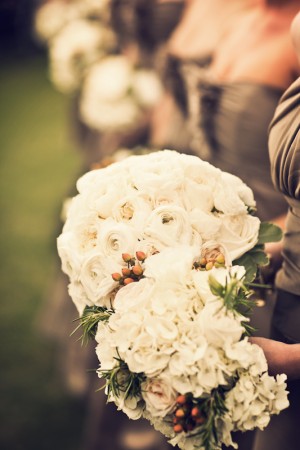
[284, 356]
[228, 92]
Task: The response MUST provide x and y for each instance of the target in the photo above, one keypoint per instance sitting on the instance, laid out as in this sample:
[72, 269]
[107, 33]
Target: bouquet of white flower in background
[77, 35]
[114, 93]
[161, 250]
[52, 16]
[74, 49]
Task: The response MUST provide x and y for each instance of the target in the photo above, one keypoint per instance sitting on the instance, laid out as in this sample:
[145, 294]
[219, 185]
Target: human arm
[281, 357]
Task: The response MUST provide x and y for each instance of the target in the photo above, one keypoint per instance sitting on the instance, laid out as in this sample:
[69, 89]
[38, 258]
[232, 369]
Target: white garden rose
[238, 234]
[159, 396]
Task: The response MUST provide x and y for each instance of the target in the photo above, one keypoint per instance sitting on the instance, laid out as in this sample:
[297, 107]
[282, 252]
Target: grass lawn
[38, 166]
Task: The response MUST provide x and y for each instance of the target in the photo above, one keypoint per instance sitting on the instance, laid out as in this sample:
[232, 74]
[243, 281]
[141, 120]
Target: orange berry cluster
[209, 263]
[187, 415]
[133, 272]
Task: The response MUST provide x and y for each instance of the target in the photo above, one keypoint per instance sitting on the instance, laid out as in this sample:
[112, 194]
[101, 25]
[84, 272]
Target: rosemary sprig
[236, 297]
[89, 320]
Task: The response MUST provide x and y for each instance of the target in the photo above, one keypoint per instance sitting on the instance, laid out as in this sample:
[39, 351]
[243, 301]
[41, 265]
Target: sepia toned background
[39, 163]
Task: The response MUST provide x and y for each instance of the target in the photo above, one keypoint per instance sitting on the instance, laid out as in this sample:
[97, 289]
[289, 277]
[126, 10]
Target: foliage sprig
[236, 297]
[89, 320]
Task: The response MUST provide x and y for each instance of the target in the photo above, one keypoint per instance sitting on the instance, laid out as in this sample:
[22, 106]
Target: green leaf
[250, 266]
[259, 257]
[269, 232]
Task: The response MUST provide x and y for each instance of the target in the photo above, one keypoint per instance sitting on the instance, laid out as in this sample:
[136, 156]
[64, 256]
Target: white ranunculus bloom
[243, 191]
[207, 225]
[116, 238]
[95, 278]
[169, 224]
[70, 258]
[78, 295]
[227, 200]
[239, 234]
[159, 396]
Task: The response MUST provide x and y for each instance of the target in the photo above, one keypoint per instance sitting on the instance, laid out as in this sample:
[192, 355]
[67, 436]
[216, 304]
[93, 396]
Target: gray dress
[284, 144]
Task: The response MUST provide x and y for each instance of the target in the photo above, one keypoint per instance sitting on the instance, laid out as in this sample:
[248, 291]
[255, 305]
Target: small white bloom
[159, 396]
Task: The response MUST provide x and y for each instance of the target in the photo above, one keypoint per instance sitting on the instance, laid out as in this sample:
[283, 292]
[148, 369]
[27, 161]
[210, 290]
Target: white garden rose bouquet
[114, 93]
[160, 250]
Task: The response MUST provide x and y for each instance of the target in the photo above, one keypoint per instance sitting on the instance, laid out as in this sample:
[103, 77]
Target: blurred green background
[39, 164]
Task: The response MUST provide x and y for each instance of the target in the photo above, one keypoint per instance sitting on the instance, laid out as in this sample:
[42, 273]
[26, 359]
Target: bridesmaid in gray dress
[284, 147]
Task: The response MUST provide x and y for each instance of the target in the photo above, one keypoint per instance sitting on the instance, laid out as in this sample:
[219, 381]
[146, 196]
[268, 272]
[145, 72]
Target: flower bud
[141, 256]
[178, 428]
[203, 262]
[128, 281]
[137, 270]
[126, 257]
[116, 276]
[126, 272]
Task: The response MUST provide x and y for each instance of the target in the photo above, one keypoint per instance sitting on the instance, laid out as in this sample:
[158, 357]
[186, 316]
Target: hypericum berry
[199, 420]
[116, 276]
[126, 257]
[137, 270]
[209, 265]
[190, 425]
[195, 412]
[180, 413]
[203, 261]
[220, 259]
[181, 399]
[141, 256]
[128, 281]
[178, 428]
[126, 272]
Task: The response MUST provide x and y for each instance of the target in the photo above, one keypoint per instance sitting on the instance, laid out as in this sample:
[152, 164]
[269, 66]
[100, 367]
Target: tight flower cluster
[156, 240]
